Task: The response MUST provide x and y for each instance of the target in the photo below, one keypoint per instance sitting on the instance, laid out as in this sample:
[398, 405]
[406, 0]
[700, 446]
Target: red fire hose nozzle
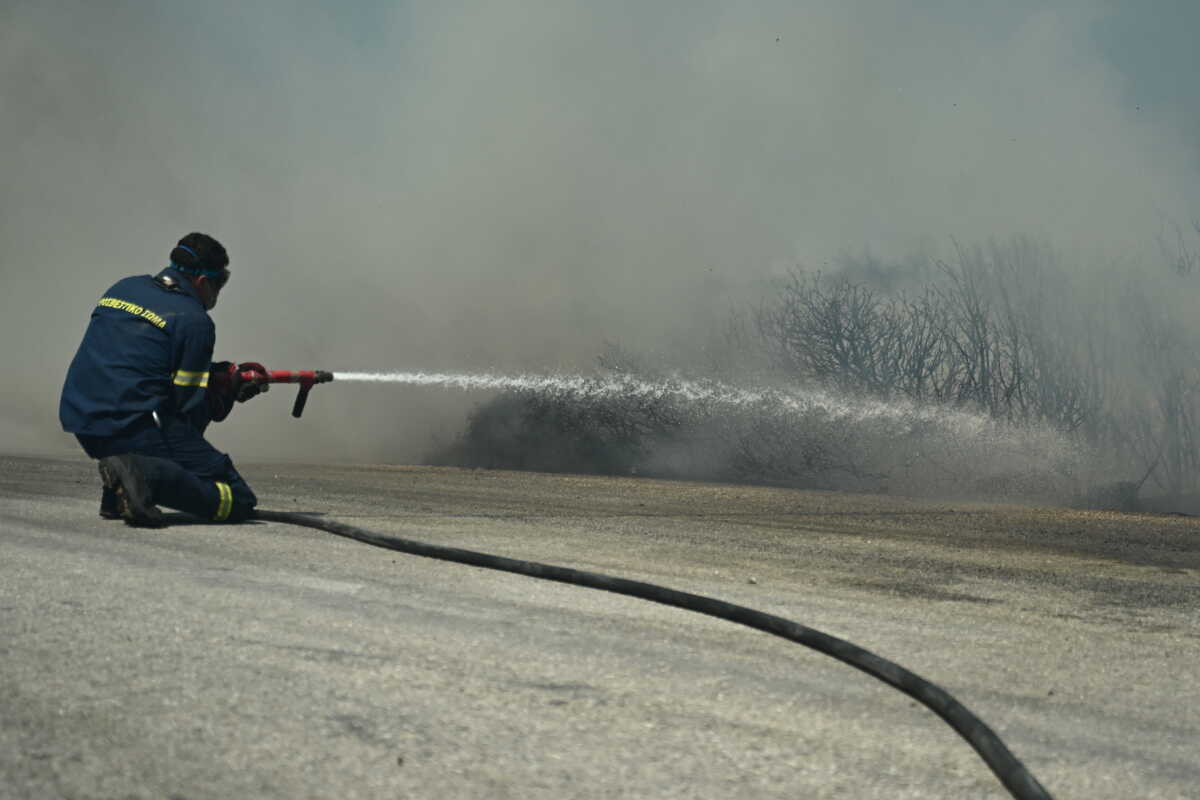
[307, 378]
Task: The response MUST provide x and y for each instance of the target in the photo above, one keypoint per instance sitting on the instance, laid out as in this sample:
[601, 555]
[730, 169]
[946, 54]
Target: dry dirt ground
[265, 660]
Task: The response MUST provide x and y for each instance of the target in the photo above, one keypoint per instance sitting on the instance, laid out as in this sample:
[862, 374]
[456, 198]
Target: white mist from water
[906, 447]
[897, 414]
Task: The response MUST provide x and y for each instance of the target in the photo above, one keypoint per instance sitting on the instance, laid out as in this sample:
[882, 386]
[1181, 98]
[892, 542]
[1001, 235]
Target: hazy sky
[479, 185]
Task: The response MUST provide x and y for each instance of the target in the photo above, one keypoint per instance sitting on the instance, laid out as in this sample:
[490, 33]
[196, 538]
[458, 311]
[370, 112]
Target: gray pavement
[265, 660]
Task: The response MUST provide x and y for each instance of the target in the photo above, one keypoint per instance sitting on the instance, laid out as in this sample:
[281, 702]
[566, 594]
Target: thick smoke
[504, 186]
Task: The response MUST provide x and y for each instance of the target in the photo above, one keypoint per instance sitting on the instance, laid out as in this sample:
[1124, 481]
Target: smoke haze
[460, 186]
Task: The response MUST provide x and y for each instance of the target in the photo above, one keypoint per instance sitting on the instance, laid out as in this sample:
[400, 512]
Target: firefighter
[143, 387]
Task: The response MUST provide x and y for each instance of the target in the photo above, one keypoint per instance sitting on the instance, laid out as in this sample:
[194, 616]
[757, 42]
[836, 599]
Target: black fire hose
[1012, 773]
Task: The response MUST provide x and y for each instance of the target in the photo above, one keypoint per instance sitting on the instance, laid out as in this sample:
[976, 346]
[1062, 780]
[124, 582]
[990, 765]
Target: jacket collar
[182, 281]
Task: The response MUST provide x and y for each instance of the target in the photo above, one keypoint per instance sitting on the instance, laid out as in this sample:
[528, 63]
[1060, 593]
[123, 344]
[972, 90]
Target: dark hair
[199, 252]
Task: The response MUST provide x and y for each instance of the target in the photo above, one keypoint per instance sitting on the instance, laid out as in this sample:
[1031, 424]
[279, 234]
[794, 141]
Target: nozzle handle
[307, 378]
[301, 399]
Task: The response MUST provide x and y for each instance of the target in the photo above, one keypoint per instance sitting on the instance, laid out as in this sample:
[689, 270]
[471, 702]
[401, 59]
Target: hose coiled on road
[1007, 767]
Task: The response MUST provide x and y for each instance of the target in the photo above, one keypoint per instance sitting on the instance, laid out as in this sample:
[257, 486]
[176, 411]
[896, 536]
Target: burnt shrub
[705, 430]
[988, 332]
[997, 373]
[593, 425]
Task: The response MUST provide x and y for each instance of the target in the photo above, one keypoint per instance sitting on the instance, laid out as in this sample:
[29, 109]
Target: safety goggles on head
[217, 277]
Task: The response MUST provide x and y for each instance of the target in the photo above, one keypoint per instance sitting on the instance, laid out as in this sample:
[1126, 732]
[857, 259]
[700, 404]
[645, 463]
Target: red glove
[226, 384]
[246, 389]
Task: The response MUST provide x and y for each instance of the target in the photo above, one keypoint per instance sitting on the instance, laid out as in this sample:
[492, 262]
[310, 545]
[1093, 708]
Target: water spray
[689, 390]
[712, 393]
[919, 444]
[949, 440]
[600, 387]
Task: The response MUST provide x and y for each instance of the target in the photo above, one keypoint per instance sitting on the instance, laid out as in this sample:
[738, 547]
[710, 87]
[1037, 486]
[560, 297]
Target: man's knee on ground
[235, 501]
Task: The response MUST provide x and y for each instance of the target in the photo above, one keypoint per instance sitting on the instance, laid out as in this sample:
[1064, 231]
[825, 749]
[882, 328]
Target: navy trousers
[183, 470]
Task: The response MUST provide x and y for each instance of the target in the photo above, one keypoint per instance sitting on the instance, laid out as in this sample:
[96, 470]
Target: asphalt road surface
[266, 660]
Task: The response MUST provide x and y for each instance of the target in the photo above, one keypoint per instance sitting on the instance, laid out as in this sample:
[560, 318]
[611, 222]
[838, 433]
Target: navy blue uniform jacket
[147, 348]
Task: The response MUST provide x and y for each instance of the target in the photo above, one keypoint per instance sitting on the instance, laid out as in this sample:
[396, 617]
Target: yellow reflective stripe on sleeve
[226, 503]
[185, 378]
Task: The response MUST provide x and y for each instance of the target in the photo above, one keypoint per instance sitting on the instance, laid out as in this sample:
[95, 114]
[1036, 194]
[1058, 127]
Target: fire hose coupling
[307, 378]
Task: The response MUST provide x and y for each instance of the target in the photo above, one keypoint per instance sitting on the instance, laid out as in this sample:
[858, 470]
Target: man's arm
[193, 362]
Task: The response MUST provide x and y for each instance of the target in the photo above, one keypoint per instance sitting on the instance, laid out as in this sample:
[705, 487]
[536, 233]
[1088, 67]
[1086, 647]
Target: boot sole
[133, 496]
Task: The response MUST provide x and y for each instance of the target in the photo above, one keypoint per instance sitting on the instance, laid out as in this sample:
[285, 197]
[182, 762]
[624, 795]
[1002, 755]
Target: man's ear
[204, 289]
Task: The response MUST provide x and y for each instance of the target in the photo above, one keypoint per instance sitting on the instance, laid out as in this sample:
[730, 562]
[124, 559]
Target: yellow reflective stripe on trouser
[226, 504]
[185, 378]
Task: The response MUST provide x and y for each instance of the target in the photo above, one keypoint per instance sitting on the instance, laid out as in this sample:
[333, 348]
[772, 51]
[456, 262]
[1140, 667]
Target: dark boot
[109, 509]
[123, 475]
[173, 486]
